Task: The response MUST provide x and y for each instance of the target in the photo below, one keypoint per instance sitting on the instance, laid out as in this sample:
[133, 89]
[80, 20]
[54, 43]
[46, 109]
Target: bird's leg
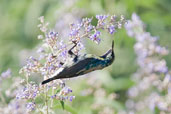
[71, 53]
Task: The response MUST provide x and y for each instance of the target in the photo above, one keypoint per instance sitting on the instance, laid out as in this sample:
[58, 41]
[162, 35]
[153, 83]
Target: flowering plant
[53, 55]
[152, 88]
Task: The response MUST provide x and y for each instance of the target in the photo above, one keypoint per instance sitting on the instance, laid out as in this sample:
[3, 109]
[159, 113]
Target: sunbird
[84, 64]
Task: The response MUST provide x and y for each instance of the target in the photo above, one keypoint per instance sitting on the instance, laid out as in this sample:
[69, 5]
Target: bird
[84, 64]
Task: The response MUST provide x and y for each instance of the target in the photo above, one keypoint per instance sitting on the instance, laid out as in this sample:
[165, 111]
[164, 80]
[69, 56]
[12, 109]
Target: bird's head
[110, 53]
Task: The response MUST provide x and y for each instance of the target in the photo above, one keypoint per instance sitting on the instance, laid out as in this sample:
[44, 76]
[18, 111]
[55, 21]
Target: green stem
[2, 98]
[52, 99]
[46, 100]
[47, 104]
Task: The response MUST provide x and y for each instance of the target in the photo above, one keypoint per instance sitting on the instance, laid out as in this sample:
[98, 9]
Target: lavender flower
[74, 32]
[6, 74]
[65, 91]
[101, 17]
[29, 92]
[71, 98]
[31, 106]
[101, 20]
[95, 37]
[63, 49]
[43, 25]
[152, 73]
[87, 24]
[111, 29]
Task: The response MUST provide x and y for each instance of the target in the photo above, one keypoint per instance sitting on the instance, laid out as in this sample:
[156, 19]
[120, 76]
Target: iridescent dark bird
[84, 64]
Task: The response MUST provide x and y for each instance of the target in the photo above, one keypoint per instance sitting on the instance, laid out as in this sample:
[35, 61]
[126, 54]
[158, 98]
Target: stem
[46, 100]
[27, 80]
[52, 99]
[84, 35]
[47, 103]
[2, 98]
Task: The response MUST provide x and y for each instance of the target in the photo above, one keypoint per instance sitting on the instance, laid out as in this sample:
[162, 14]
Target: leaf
[62, 104]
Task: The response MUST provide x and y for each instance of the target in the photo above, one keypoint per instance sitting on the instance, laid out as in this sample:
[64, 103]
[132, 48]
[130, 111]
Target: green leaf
[62, 104]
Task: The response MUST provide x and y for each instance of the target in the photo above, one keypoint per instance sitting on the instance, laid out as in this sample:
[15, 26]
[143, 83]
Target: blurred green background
[18, 32]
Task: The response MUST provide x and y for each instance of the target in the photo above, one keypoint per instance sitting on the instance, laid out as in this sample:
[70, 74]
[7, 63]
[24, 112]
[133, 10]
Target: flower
[65, 91]
[101, 20]
[29, 92]
[101, 17]
[31, 106]
[152, 73]
[75, 30]
[6, 74]
[71, 98]
[95, 37]
[111, 29]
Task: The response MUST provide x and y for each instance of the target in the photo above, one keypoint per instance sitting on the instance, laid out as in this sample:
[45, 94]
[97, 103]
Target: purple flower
[74, 32]
[89, 28]
[63, 49]
[6, 74]
[29, 92]
[51, 67]
[101, 17]
[40, 50]
[31, 106]
[63, 53]
[111, 29]
[66, 91]
[113, 18]
[52, 35]
[86, 21]
[53, 96]
[95, 37]
[71, 98]
[161, 66]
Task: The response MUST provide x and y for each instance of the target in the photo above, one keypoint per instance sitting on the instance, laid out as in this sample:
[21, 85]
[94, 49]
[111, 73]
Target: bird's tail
[48, 80]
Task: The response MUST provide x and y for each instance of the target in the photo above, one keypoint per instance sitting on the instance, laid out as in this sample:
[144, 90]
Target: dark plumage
[85, 64]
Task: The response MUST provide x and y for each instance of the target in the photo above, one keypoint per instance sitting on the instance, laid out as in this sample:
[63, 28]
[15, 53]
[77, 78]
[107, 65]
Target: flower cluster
[29, 92]
[153, 78]
[86, 29]
[14, 106]
[62, 95]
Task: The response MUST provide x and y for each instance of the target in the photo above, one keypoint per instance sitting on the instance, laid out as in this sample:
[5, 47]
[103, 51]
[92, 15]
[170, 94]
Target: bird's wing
[76, 68]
